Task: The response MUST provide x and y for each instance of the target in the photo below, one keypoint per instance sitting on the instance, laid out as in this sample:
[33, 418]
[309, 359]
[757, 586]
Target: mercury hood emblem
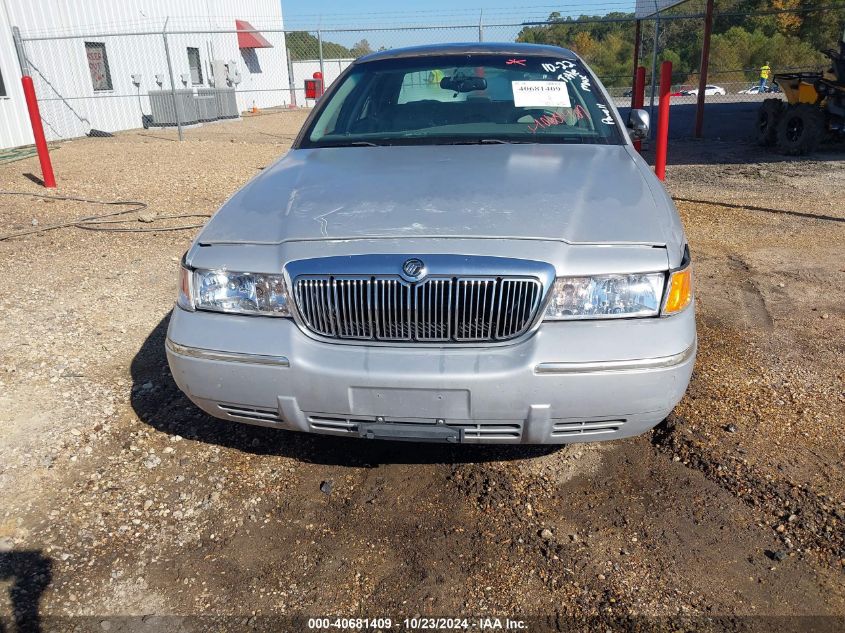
[413, 269]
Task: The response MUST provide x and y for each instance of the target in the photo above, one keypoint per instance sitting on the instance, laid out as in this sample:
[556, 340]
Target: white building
[102, 64]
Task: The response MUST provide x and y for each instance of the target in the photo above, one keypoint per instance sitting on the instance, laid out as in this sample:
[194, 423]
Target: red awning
[247, 39]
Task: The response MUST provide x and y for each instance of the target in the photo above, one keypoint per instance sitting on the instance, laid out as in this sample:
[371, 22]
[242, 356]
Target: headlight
[606, 297]
[235, 292]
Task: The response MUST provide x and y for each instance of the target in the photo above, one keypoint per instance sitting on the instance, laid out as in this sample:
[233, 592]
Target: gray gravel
[138, 503]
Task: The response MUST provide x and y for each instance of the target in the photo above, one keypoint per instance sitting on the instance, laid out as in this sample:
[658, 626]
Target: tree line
[787, 34]
[303, 45]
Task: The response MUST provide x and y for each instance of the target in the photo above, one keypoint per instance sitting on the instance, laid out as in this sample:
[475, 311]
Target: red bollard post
[38, 132]
[638, 98]
[663, 120]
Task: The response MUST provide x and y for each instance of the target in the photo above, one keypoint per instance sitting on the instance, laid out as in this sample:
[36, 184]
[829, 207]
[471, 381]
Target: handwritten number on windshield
[556, 118]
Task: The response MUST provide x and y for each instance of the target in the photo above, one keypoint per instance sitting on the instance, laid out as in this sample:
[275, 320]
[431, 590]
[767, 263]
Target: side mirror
[638, 124]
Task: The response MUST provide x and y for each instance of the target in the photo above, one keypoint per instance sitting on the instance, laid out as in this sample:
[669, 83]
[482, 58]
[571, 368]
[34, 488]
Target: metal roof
[479, 48]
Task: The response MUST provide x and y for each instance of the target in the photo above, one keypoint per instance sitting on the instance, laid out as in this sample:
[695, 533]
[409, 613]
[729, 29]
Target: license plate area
[432, 404]
[436, 433]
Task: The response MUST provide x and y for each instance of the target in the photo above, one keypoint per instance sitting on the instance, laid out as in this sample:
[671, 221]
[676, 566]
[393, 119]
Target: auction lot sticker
[540, 94]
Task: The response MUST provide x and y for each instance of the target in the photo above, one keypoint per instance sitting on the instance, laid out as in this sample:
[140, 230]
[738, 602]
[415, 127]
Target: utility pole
[637, 40]
[705, 63]
[654, 65]
[172, 81]
[320, 46]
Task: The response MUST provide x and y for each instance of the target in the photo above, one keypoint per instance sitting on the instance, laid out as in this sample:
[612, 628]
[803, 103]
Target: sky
[368, 15]
[339, 13]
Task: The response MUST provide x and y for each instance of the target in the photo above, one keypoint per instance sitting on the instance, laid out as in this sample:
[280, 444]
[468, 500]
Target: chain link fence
[91, 84]
[107, 82]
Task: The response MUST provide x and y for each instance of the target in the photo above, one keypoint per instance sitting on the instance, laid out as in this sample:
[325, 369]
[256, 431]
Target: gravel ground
[118, 498]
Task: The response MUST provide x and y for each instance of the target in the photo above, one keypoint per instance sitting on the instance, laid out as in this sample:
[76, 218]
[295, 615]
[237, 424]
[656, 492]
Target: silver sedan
[462, 246]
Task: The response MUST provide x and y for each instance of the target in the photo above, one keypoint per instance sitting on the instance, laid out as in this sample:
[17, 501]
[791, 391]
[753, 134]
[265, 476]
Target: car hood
[596, 194]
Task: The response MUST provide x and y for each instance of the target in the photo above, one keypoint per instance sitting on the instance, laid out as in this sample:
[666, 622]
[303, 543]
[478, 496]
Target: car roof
[479, 48]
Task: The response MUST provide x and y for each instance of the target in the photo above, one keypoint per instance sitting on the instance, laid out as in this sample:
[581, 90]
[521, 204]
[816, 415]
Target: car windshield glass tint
[464, 99]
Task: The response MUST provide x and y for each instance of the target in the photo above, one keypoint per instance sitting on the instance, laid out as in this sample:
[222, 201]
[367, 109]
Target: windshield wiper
[487, 141]
[353, 144]
[359, 144]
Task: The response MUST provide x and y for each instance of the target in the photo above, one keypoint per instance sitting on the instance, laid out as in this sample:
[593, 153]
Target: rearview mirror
[638, 124]
[463, 84]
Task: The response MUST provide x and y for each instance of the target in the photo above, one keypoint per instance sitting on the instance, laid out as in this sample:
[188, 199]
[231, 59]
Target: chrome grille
[437, 309]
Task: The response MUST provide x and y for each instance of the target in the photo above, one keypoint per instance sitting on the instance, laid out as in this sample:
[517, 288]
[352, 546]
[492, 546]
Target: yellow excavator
[814, 109]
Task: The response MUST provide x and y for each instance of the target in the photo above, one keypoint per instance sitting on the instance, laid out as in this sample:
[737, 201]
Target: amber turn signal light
[680, 291]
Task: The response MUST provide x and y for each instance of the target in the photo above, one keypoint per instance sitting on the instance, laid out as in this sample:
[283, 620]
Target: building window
[196, 65]
[98, 65]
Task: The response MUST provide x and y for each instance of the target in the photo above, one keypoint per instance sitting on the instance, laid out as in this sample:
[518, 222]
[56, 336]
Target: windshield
[464, 99]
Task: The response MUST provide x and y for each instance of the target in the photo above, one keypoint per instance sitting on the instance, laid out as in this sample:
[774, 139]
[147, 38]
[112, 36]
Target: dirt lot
[119, 498]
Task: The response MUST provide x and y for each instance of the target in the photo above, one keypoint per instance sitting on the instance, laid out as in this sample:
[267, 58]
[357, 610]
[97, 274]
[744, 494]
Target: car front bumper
[573, 381]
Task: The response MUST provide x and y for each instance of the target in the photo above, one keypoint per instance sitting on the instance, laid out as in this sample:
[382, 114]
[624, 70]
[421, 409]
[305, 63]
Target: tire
[800, 129]
[767, 121]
